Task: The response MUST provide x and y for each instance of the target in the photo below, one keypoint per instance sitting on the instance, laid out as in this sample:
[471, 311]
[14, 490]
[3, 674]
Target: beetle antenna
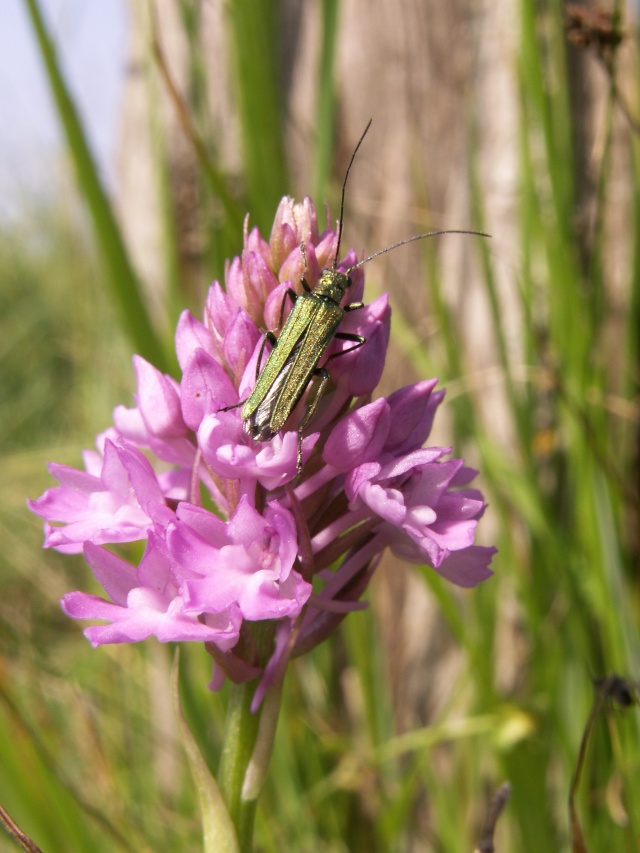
[344, 186]
[411, 240]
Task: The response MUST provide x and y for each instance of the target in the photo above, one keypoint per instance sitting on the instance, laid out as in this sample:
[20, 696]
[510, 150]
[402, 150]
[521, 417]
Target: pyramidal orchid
[234, 533]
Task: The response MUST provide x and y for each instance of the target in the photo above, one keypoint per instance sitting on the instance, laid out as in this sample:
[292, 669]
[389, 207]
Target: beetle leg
[272, 339]
[324, 375]
[290, 292]
[358, 341]
[313, 405]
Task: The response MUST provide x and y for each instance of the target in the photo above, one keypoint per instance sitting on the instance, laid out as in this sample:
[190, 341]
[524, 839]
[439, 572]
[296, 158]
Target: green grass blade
[123, 281]
[325, 129]
[255, 33]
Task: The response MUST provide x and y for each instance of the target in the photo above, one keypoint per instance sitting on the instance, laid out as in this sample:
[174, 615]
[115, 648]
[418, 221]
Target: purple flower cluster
[234, 535]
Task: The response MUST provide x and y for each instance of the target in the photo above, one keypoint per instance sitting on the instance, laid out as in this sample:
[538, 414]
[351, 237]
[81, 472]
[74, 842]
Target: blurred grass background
[396, 733]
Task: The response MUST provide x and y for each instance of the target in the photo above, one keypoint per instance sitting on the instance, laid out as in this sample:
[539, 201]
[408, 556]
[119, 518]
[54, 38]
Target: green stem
[248, 743]
[240, 733]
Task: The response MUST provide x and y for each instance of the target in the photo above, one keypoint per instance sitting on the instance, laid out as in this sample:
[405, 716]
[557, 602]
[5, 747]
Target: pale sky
[91, 40]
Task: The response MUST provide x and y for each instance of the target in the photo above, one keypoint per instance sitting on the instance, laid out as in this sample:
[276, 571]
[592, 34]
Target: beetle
[305, 337]
[293, 361]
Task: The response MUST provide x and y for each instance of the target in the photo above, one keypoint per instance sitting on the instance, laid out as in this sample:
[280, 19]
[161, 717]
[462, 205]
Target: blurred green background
[519, 119]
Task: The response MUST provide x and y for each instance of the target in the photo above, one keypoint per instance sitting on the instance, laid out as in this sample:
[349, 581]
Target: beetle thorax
[333, 284]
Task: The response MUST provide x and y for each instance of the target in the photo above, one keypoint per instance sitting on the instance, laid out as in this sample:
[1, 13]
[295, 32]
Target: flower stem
[241, 729]
[247, 745]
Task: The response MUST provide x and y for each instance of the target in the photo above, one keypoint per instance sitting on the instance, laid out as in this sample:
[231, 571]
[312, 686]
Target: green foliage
[89, 757]
[122, 278]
